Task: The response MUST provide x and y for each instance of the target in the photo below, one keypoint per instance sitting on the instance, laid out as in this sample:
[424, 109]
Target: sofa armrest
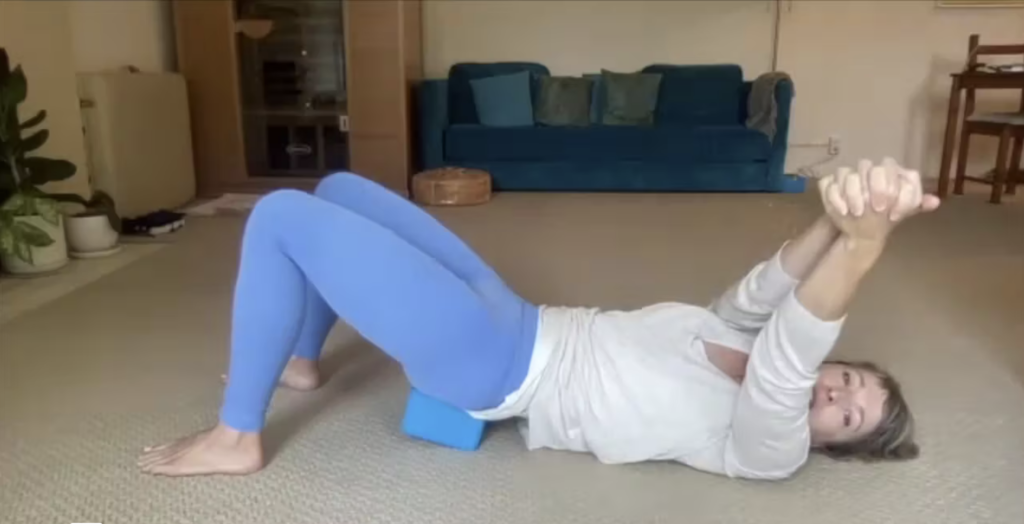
[433, 113]
[784, 93]
[784, 104]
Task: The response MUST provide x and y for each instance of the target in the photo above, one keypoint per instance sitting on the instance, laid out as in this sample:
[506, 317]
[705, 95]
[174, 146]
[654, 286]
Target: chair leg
[961, 160]
[1014, 173]
[1001, 164]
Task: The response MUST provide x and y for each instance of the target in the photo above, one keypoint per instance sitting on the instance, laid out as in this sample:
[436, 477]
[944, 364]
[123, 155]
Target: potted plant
[93, 232]
[31, 226]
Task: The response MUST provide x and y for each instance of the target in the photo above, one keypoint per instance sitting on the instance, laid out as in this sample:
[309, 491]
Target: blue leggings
[357, 251]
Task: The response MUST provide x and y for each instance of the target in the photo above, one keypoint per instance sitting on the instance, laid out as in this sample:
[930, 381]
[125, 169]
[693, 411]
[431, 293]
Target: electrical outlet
[833, 145]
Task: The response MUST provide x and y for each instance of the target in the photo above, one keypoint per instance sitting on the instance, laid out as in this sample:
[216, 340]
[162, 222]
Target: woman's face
[848, 403]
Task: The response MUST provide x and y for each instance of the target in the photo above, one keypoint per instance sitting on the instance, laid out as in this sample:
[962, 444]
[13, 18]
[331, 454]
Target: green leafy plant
[22, 174]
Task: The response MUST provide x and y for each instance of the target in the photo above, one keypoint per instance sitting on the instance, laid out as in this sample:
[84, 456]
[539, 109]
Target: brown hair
[893, 439]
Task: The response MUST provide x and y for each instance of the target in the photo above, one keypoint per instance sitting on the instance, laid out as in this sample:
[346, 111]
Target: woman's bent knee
[336, 181]
[277, 205]
[281, 198]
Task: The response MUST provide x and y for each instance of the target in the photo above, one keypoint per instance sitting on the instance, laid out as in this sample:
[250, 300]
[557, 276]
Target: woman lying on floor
[739, 388]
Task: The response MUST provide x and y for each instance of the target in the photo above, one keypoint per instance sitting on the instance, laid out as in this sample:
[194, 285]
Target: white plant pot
[90, 234]
[44, 259]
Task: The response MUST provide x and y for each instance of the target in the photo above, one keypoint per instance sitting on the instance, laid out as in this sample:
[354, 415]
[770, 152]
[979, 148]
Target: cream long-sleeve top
[630, 386]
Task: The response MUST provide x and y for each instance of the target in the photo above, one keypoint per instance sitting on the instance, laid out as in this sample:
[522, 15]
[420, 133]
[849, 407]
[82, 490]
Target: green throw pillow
[563, 101]
[630, 98]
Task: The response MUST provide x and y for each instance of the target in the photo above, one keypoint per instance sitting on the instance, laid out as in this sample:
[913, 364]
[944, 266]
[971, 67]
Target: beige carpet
[19, 295]
[132, 359]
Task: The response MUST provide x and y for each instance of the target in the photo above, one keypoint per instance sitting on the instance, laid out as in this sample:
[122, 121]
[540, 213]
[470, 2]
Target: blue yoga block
[432, 420]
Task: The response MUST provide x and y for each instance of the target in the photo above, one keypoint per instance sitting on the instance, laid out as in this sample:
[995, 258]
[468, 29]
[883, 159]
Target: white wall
[111, 34]
[873, 73]
[35, 34]
[52, 40]
[877, 74]
[582, 36]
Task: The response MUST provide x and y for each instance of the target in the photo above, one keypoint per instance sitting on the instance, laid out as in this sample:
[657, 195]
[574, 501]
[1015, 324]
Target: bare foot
[219, 451]
[300, 374]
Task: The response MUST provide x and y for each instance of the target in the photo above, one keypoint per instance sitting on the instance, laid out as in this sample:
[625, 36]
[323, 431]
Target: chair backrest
[974, 50]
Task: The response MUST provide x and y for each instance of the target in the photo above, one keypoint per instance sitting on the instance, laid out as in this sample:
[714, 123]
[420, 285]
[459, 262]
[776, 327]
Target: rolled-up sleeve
[748, 304]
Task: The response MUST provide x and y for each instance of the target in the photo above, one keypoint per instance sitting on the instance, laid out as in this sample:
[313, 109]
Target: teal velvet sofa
[698, 141]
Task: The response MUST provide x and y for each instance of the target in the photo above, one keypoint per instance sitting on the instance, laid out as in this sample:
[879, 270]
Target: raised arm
[770, 432]
[770, 435]
[749, 303]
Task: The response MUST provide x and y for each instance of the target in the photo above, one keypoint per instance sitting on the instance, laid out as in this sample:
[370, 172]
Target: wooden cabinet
[330, 90]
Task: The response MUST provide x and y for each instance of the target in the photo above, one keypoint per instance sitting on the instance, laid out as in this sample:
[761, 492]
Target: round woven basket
[452, 186]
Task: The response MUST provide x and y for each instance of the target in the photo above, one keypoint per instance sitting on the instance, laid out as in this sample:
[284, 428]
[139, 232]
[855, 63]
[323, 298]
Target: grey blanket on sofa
[762, 111]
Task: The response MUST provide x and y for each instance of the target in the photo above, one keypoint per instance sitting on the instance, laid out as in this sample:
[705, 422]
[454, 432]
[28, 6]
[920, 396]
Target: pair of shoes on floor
[159, 222]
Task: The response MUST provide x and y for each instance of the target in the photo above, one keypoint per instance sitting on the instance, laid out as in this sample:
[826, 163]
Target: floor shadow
[345, 371]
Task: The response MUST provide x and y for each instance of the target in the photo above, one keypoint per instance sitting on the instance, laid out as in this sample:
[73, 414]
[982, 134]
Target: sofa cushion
[704, 144]
[504, 100]
[563, 101]
[597, 97]
[461, 105]
[630, 98]
[699, 94]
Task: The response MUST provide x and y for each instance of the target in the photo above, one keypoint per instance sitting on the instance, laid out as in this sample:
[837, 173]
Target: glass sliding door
[292, 78]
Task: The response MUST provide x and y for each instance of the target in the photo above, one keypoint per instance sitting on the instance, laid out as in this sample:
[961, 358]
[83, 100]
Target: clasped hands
[868, 203]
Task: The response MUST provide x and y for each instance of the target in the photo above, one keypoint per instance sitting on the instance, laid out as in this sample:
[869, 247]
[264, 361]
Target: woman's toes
[218, 451]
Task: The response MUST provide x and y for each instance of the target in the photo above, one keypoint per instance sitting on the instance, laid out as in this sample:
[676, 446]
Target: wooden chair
[1007, 126]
